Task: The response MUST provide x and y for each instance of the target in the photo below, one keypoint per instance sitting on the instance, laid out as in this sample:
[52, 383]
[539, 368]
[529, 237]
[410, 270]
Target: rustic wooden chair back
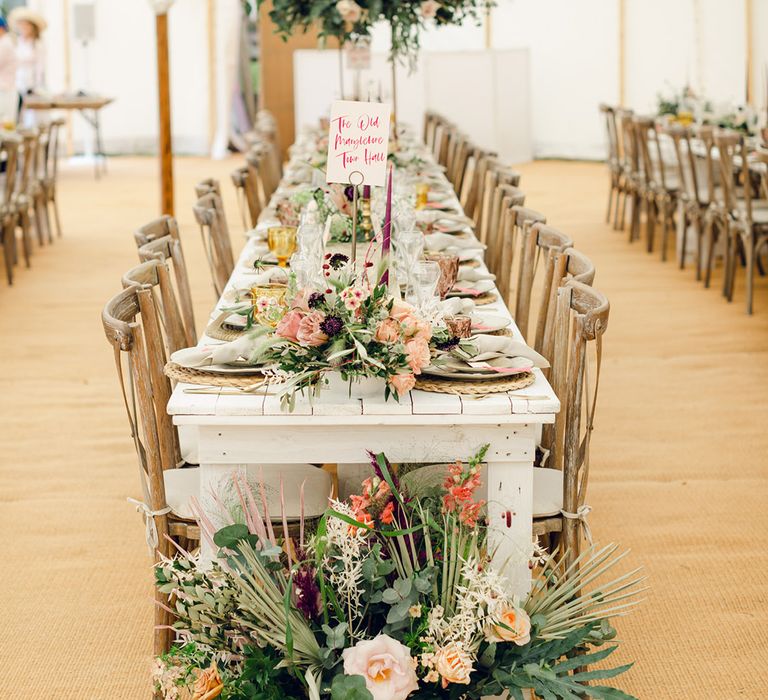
[430, 122]
[442, 142]
[538, 242]
[581, 319]
[51, 170]
[474, 168]
[155, 276]
[168, 250]
[132, 327]
[643, 128]
[612, 138]
[216, 241]
[9, 151]
[460, 158]
[164, 225]
[490, 212]
[505, 197]
[256, 171]
[204, 187]
[730, 146]
[483, 162]
[248, 199]
[519, 221]
[706, 135]
[269, 167]
[570, 264]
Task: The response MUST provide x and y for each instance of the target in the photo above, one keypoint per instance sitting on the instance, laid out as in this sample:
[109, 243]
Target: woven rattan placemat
[188, 375]
[221, 330]
[476, 387]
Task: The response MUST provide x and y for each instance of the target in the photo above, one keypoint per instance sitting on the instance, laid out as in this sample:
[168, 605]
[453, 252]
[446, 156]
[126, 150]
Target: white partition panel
[485, 93]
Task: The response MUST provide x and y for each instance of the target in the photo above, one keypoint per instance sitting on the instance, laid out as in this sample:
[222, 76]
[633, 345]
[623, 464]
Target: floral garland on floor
[351, 20]
[394, 595]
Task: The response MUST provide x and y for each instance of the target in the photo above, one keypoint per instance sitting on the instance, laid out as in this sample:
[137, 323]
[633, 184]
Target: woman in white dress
[30, 54]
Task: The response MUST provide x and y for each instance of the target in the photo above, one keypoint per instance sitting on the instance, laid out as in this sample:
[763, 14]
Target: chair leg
[41, 217]
[55, 206]
[665, 217]
[634, 226]
[749, 250]
[650, 224]
[610, 205]
[26, 243]
[623, 221]
[730, 277]
[699, 242]
[9, 244]
[683, 222]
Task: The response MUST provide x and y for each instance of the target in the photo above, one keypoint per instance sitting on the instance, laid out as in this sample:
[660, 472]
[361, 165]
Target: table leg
[510, 518]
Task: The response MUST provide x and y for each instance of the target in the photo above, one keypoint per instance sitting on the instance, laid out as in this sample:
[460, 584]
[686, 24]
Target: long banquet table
[238, 429]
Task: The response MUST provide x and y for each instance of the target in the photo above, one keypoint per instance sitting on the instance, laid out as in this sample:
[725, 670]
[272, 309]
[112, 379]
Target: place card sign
[358, 142]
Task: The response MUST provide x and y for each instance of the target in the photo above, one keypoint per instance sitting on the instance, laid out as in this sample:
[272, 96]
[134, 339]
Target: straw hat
[24, 14]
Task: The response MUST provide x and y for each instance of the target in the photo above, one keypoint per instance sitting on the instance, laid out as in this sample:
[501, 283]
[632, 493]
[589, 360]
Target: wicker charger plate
[477, 387]
[220, 330]
[188, 375]
[480, 299]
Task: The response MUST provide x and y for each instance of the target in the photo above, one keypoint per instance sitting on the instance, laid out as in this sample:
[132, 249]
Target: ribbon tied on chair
[581, 514]
[150, 528]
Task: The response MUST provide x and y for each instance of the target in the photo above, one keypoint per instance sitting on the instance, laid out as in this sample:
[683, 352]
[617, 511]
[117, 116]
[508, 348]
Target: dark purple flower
[306, 593]
[315, 299]
[448, 344]
[349, 192]
[331, 325]
[338, 260]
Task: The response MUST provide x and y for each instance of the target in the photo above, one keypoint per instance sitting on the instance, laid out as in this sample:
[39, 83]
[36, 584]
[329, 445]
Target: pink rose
[401, 309]
[386, 665]
[388, 331]
[429, 8]
[288, 326]
[402, 383]
[417, 352]
[300, 301]
[309, 332]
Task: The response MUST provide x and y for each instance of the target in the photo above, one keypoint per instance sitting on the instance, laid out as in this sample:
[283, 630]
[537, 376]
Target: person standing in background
[30, 55]
[9, 98]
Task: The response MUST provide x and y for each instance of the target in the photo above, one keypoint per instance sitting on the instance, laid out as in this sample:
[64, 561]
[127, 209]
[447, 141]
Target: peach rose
[208, 684]
[309, 332]
[388, 331]
[416, 327]
[429, 8]
[453, 664]
[401, 309]
[402, 383]
[288, 326]
[514, 626]
[386, 665]
[417, 354]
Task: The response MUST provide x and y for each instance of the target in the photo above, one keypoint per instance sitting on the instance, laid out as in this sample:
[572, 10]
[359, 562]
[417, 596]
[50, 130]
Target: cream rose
[453, 664]
[429, 8]
[386, 665]
[349, 10]
[514, 626]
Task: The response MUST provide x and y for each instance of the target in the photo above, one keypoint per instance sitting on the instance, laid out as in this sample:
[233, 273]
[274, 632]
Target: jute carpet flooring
[679, 469]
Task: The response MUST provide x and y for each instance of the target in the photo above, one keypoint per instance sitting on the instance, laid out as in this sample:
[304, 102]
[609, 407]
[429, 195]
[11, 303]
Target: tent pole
[164, 111]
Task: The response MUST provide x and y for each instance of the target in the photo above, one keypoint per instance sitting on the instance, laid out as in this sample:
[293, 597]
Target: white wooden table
[234, 430]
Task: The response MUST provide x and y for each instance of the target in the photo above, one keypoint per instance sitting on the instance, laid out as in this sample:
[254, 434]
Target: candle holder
[366, 225]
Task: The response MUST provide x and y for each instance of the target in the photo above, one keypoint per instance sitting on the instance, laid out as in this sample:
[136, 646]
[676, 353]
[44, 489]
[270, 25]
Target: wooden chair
[644, 185]
[519, 221]
[748, 220]
[51, 172]
[471, 180]
[500, 230]
[204, 187]
[560, 487]
[155, 276]
[168, 251]
[164, 225]
[628, 155]
[24, 196]
[570, 264]
[216, 242]
[248, 200]
[495, 175]
[262, 156]
[9, 150]
[36, 185]
[612, 159]
[132, 327]
[539, 242]
[667, 179]
[716, 216]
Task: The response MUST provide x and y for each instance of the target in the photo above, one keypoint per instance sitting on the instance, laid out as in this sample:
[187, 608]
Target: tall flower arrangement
[394, 596]
[351, 20]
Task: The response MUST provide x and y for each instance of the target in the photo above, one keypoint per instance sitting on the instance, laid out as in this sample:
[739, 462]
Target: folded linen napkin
[427, 216]
[207, 355]
[473, 288]
[441, 241]
[472, 274]
[456, 306]
[483, 348]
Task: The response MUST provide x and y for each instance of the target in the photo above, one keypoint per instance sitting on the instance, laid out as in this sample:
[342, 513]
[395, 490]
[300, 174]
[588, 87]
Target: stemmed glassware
[409, 247]
[426, 275]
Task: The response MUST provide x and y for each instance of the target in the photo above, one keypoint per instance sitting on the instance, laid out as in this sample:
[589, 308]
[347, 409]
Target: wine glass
[282, 242]
[426, 275]
[409, 247]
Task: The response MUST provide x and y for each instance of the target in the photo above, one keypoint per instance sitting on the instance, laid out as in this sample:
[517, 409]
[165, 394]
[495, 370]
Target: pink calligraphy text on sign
[358, 142]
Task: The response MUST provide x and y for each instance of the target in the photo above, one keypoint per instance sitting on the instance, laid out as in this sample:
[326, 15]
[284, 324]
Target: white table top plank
[427, 402]
[182, 402]
[377, 406]
[490, 404]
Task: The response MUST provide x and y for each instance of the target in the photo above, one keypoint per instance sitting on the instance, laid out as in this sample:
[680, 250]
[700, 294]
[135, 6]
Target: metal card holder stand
[355, 186]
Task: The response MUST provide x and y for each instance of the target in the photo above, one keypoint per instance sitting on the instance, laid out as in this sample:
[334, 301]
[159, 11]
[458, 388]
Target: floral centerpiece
[395, 595]
[348, 20]
[353, 327]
